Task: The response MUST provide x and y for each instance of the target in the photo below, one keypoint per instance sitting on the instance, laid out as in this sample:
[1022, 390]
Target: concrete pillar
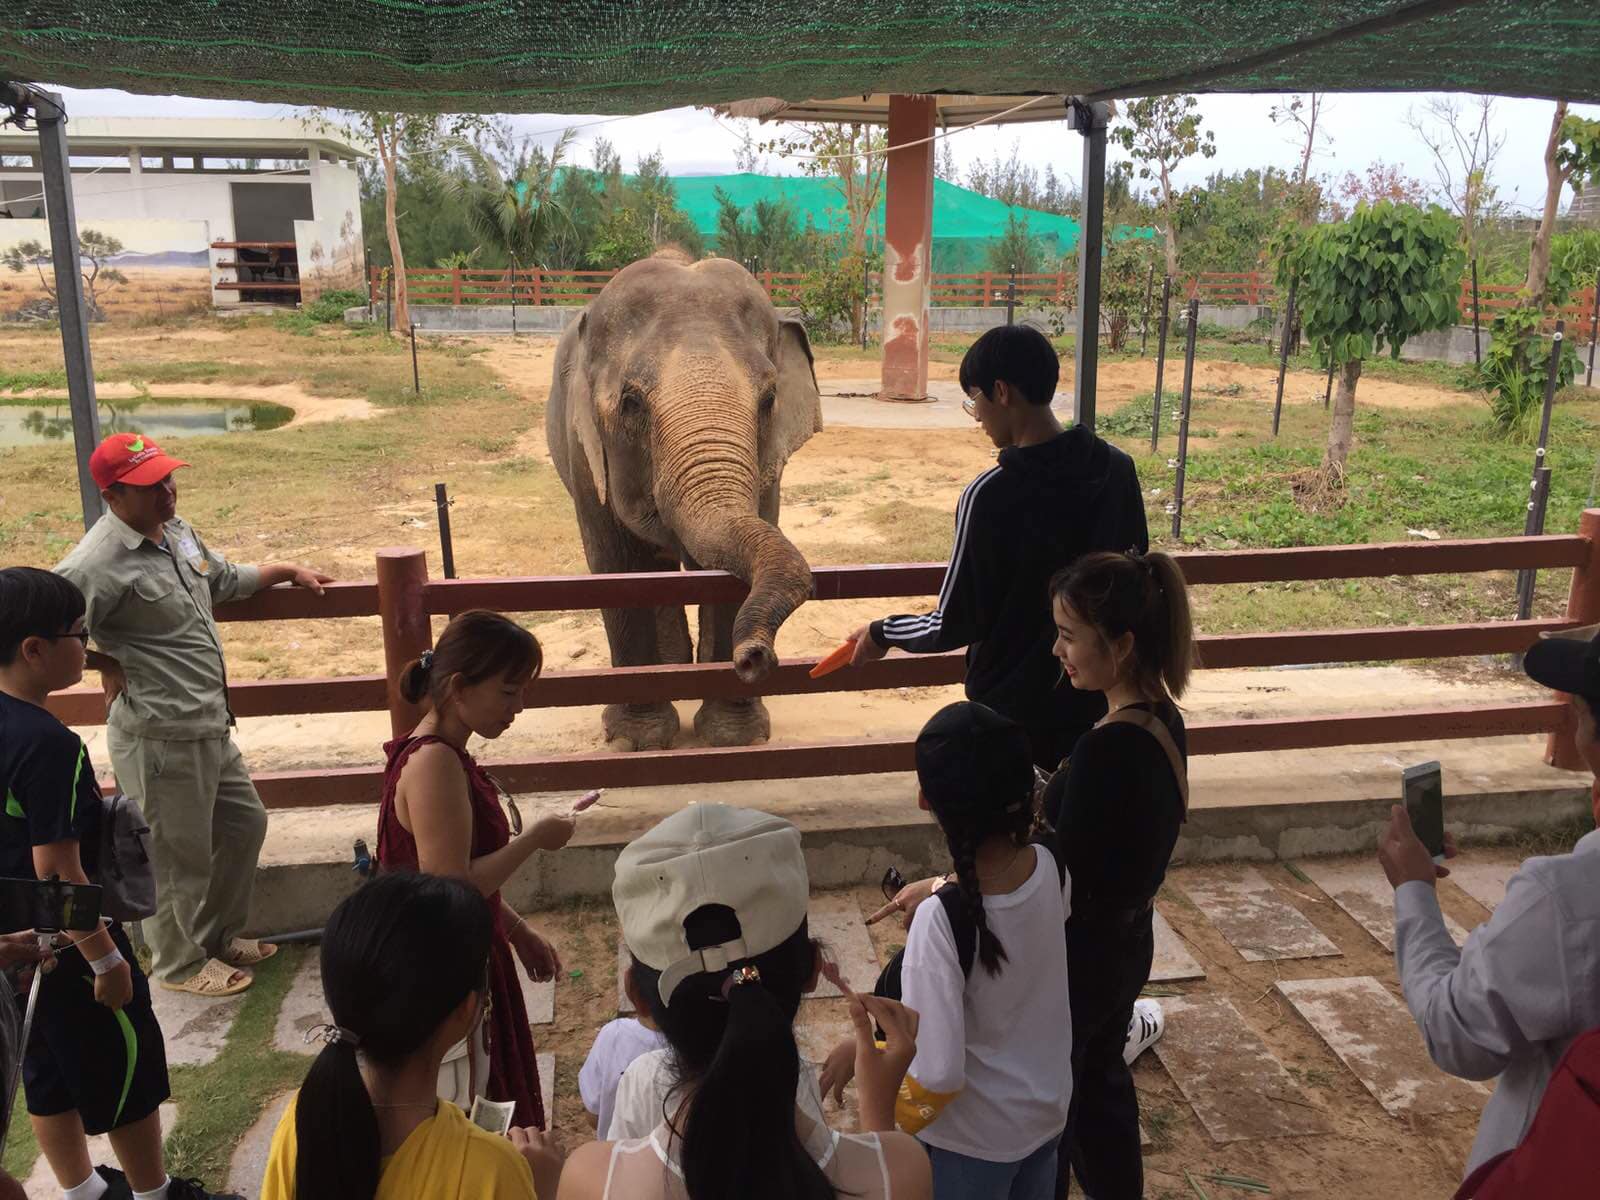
[908, 248]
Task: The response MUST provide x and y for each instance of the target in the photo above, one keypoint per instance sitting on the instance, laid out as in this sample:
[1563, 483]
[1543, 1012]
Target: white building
[227, 211]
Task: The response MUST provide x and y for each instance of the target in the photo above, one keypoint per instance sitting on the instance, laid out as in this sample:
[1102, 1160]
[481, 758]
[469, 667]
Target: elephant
[678, 396]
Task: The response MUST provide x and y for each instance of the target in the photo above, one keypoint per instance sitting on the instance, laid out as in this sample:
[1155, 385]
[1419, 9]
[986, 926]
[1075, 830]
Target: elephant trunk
[707, 490]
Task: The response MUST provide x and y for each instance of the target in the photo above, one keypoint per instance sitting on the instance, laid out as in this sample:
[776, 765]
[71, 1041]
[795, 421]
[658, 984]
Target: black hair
[1141, 594]
[966, 820]
[739, 1057]
[34, 603]
[1018, 354]
[476, 645]
[398, 957]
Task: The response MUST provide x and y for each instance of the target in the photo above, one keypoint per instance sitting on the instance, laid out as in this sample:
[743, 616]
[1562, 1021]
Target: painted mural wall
[141, 268]
[330, 255]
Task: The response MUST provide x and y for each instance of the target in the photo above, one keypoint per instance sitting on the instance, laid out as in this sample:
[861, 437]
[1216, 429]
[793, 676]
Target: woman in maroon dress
[442, 814]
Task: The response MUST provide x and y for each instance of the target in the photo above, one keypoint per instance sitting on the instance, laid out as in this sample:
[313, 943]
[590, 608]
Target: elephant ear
[582, 418]
[797, 414]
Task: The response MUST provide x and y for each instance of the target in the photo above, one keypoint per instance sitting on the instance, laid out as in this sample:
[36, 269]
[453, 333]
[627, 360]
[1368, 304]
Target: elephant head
[687, 394]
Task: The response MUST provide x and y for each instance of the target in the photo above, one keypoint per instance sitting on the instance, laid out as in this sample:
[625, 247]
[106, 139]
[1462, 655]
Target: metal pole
[1161, 361]
[1327, 392]
[416, 379]
[1283, 354]
[388, 301]
[1549, 397]
[441, 501]
[1011, 296]
[1594, 327]
[1090, 120]
[1144, 324]
[866, 296]
[1477, 347]
[1538, 501]
[1183, 419]
[62, 217]
[513, 320]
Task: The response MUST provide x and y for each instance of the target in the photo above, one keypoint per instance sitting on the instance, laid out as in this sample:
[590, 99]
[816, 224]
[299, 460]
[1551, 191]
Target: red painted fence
[404, 597]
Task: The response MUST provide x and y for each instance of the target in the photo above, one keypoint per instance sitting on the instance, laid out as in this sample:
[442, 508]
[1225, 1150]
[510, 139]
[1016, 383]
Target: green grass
[218, 1102]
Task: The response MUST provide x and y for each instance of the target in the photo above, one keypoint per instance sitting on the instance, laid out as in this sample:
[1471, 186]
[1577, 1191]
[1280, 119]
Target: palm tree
[508, 194]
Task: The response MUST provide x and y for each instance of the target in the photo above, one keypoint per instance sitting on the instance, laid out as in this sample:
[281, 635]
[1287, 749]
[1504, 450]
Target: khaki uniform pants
[207, 825]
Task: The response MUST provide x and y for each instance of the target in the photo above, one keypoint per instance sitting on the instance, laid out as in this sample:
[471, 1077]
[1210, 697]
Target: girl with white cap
[712, 904]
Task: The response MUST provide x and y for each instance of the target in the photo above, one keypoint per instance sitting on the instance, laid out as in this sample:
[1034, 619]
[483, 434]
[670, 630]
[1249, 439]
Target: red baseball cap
[130, 458]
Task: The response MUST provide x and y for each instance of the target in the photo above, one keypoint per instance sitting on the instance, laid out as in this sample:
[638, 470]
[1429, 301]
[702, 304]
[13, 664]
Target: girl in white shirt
[989, 1088]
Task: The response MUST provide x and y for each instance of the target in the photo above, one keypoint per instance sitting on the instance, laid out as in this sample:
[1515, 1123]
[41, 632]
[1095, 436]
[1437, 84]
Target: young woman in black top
[1123, 628]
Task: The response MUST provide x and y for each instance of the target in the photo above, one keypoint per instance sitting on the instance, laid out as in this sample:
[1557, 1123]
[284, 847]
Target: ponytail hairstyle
[975, 771]
[733, 1046]
[398, 957]
[1141, 594]
[476, 645]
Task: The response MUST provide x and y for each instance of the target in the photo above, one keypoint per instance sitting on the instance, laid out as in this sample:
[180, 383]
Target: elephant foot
[640, 726]
[733, 722]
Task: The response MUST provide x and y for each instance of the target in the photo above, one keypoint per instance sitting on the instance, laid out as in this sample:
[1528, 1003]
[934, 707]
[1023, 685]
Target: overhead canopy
[627, 56]
[873, 109]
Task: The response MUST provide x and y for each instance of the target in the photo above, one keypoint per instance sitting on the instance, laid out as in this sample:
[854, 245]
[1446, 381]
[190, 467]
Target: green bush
[1516, 369]
[328, 308]
[828, 296]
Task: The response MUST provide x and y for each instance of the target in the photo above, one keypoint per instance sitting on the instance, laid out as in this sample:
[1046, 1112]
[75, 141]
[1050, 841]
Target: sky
[1361, 127]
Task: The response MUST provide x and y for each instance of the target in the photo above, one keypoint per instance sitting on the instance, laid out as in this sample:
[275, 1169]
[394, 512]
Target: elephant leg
[730, 722]
[638, 637]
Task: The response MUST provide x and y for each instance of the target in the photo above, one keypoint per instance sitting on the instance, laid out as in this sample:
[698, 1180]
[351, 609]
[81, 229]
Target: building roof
[630, 56]
[245, 137]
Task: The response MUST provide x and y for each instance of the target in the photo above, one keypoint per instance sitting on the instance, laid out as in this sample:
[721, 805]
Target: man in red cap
[150, 583]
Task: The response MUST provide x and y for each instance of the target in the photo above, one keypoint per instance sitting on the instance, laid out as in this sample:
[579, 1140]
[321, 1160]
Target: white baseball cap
[709, 854]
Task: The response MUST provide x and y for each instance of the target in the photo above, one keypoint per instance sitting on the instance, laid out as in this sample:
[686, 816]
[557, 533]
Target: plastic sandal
[213, 980]
[247, 952]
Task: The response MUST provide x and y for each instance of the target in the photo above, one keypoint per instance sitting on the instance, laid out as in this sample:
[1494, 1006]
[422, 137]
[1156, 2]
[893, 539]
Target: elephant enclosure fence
[404, 597]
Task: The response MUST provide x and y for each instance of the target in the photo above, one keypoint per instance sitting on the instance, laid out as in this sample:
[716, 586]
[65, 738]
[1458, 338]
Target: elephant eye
[632, 400]
[769, 398]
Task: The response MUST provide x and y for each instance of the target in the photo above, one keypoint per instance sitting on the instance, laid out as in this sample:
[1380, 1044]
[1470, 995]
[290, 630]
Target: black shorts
[111, 1067]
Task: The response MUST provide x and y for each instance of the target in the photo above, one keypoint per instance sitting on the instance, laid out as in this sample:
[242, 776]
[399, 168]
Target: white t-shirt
[642, 1096]
[615, 1047]
[1004, 1042]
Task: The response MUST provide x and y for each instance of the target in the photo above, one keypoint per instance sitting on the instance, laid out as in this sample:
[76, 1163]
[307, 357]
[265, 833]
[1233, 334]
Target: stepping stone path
[303, 1006]
[1239, 1090]
[194, 1028]
[1172, 962]
[1363, 892]
[1485, 882]
[41, 1182]
[1373, 1035]
[835, 921]
[1257, 922]
[547, 1087]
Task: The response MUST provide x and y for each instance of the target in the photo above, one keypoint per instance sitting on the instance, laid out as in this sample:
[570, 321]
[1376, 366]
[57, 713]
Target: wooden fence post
[455, 285]
[1583, 606]
[988, 289]
[402, 574]
[538, 285]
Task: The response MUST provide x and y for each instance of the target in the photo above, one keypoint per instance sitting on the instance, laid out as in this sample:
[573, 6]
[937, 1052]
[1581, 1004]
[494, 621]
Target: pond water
[35, 423]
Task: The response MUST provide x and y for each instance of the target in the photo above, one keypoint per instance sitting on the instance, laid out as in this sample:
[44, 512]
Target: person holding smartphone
[1527, 982]
[95, 1062]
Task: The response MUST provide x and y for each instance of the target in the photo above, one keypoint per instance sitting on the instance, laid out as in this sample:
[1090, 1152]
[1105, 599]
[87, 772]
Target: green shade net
[965, 223]
[626, 56]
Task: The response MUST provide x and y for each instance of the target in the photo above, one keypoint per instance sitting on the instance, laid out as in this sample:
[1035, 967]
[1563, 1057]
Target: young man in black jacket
[1056, 494]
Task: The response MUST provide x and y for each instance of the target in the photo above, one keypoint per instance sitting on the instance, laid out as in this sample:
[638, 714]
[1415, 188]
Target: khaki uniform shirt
[149, 607]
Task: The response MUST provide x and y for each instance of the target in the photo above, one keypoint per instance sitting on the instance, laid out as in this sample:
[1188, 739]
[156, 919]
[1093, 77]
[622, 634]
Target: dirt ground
[1367, 1152]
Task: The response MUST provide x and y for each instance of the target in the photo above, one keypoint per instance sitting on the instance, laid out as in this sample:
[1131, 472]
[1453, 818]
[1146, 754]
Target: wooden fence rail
[404, 599]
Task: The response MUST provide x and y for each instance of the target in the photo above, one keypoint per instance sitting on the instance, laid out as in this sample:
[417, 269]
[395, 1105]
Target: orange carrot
[836, 659]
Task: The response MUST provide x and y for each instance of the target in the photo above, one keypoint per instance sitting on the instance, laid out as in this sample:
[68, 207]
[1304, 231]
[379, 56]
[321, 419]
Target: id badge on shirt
[190, 550]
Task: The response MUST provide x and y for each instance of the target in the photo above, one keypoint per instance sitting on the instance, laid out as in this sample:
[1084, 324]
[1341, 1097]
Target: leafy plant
[1124, 276]
[832, 293]
[95, 249]
[1388, 272]
[1016, 249]
[1159, 132]
[1517, 368]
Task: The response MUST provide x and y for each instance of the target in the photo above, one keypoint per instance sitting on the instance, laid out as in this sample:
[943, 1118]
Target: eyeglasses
[893, 883]
[970, 404]
[512, 814]
[82, 635]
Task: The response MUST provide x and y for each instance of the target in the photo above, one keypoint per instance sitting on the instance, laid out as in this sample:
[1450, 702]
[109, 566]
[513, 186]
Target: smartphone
[50, 904]
[1422, 789]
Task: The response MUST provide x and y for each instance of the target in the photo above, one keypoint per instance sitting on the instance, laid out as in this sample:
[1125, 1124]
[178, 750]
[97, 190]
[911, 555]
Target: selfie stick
[27, 1029]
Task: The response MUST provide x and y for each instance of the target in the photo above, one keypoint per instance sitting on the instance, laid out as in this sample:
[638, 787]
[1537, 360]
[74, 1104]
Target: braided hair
[964, 832]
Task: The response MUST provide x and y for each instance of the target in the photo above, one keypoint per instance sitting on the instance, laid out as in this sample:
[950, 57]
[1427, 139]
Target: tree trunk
[1171, 230]
[1539, 254]
[1342, 432]
[387, 153]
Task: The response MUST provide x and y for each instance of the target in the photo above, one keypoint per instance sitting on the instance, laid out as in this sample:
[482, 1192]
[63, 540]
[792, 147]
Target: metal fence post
[1477, 347]
[1011, 296]
[1283, 354]
[447, 550]
[402, 576]
[1161, 361]
[1183, 419]
[1583, 607]
[388, 301]
[1144, 323]
[1538, 501]
[416, 378]
[1549, 396]
[1594, 327]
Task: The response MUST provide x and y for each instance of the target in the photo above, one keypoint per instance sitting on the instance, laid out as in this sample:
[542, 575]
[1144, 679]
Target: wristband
[104, 966]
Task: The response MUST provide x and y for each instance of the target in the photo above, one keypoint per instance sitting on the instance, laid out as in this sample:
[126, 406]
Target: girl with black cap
[1123, 629]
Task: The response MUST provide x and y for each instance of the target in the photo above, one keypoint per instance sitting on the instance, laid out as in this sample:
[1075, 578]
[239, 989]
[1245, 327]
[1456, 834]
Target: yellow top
[445, 1158]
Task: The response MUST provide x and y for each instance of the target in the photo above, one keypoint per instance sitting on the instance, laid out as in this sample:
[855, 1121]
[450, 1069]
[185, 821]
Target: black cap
[970, 759]
[1568, 662]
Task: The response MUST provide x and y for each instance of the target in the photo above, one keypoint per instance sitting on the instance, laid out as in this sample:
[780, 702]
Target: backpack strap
[1156, 728]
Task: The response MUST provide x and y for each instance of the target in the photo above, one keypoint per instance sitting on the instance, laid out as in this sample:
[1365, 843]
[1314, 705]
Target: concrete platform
[1259, 923]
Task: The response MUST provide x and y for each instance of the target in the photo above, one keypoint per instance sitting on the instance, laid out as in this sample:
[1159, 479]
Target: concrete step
[1258, 923]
